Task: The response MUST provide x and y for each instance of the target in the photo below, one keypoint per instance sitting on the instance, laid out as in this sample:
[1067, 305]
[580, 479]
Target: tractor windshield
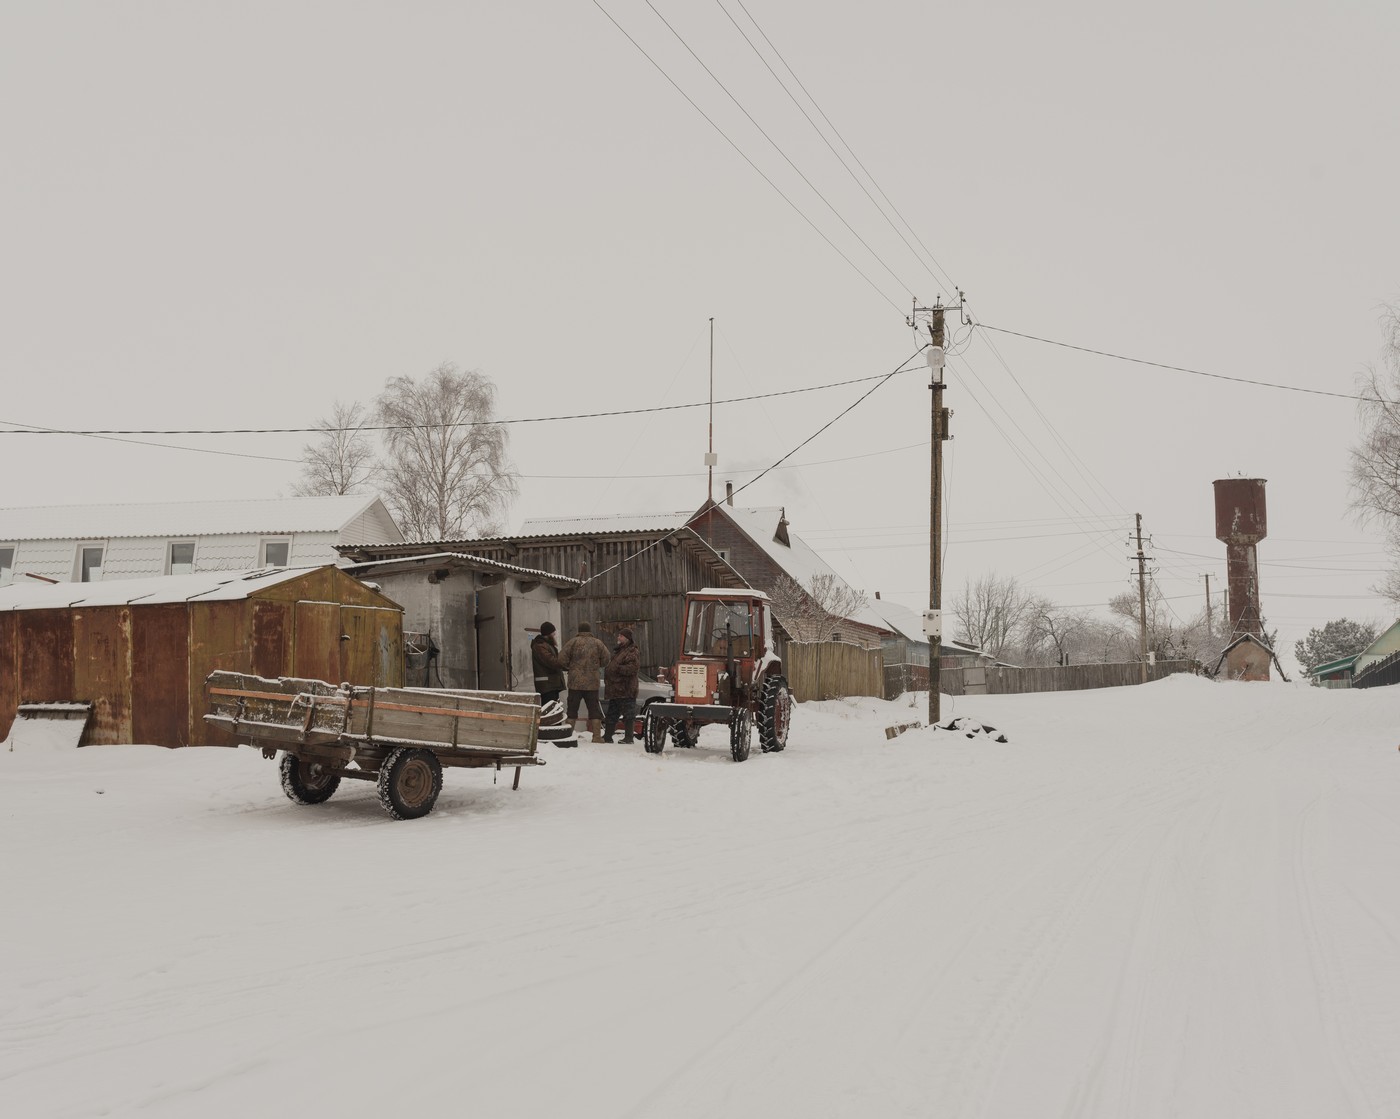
[719, 629]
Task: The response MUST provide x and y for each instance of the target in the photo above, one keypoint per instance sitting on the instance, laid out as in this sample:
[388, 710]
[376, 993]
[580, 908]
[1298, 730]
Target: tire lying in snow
[409, 782]
[306, 782]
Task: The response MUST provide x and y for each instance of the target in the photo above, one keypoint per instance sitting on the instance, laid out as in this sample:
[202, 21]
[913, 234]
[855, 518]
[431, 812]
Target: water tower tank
[1240, 516]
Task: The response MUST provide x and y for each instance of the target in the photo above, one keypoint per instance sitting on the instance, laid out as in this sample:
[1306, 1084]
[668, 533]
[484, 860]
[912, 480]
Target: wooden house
[629, 571]
[139, 650]
[93, 543]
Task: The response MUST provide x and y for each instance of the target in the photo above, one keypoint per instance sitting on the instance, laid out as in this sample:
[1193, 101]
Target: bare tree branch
[343, 459]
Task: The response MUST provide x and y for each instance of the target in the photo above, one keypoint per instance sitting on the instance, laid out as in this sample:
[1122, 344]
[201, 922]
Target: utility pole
[710, 458]
[1142, 599]
[1210, 618]
[935, 520]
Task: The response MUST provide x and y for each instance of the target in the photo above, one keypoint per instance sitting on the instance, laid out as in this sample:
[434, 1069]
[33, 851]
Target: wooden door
[492, 639]
[367, 656]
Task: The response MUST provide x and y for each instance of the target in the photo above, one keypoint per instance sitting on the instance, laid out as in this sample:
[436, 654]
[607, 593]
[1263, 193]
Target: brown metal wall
[160, 693]
[9, 671]
[45, 639]
[102, 670]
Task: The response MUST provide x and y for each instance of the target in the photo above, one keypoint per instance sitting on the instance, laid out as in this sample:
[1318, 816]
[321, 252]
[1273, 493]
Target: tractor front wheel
[653, 733]
[774, 715]
[306, 782]
[739, 727]
[685, 735]
[409, 782]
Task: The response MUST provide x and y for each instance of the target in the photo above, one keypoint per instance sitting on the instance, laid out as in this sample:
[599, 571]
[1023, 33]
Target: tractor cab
[728, 672]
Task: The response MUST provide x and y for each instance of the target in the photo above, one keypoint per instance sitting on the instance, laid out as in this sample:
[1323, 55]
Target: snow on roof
[371, 566]
[798, 560]
[907, 623]
[579, 526]
[182, 518]
[209, 586]
[732, 592]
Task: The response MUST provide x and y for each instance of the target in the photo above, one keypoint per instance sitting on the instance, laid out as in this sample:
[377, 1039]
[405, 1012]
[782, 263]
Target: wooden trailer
[400, 738]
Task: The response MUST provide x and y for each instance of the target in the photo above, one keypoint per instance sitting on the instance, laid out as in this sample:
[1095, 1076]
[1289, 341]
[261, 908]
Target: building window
[276, 553]
[179, 557]
[90, 563]
[7, 564]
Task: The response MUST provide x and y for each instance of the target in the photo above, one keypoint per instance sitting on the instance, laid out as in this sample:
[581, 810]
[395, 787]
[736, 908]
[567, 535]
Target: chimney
[877, 596]
[729, 493]
[781, 536]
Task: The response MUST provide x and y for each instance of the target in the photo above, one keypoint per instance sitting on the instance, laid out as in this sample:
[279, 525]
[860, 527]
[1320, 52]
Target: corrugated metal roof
[211, 586]
[182, 518]
[908, 623]
[480, 562]
[581, 526]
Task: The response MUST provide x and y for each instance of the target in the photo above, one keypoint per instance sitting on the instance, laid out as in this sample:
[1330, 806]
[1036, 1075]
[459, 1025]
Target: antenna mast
[710, 458]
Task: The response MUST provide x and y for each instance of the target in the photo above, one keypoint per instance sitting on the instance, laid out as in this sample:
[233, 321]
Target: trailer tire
[774, 715]
[653, 733]
[307, 782]
[739, 726]
[409, 782]
[684, 735]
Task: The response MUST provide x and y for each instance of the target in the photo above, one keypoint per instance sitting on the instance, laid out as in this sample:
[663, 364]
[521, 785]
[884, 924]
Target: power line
[36, 429]
[746, 159]
[777, 148]
[1185, 369]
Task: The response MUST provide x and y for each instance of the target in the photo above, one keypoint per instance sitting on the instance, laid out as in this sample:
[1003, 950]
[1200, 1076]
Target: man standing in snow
[583, 657]
[621, 687]
[549, 670]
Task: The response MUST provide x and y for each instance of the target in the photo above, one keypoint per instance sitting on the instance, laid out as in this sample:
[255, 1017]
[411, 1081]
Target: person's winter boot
[596, 726]
[627, 738]
[609, 729]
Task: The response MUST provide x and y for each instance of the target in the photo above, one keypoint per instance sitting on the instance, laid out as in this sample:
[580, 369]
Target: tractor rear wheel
[685, 735]
[653, 734]
[739, 727]
[409, 782]
[306, 782]
[774, 715]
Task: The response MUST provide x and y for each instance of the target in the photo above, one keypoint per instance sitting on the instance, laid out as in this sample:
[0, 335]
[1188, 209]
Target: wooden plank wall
[830, 669]
[1075, 677]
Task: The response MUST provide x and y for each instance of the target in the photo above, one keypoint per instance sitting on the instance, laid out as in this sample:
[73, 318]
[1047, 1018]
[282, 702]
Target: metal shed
[139, 649]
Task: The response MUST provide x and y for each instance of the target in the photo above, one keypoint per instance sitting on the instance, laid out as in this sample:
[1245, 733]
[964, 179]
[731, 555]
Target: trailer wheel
[739, 727]
[774, 715]
[409, 782]
[653, 734]
[306, 782]
[685, 735]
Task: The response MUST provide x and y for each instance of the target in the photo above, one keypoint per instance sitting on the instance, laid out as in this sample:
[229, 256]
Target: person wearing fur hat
[549, 669]
[620, 688]
[584, 657]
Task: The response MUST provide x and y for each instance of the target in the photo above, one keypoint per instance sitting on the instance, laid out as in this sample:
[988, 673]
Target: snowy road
[1177, 900]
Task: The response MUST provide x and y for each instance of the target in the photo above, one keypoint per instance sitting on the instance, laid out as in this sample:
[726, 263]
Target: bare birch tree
[447, 473]
[1375, 460]
[343, 459]
[814, 612]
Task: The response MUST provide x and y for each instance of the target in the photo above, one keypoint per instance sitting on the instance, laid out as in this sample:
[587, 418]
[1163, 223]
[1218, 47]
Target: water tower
[1241, 522]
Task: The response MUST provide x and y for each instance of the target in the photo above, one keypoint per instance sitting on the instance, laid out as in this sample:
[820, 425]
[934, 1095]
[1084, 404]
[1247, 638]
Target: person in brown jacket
[584, 658]
[620, 689]
[549, 671]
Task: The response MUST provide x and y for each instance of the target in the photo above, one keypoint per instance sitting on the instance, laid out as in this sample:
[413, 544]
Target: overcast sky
[220, 215]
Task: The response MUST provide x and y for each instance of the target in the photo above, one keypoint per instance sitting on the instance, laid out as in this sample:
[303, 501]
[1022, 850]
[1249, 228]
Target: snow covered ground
[1175, 900]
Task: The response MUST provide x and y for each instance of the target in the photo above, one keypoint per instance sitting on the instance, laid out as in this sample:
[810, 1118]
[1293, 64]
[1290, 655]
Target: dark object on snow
[971, 728]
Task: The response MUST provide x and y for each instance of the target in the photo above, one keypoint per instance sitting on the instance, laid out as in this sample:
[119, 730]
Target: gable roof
[796, 558]
[183, 518]
[583, 526]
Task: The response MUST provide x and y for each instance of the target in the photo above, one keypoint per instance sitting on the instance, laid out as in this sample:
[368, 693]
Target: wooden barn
[139, 650]
[632, 571]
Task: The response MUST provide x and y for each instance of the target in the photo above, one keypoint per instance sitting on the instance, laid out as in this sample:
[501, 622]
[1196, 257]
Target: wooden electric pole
[1210, 618]
[935, 543]
[1142, 599]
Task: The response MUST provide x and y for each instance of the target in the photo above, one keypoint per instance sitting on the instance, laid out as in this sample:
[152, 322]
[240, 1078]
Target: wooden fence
[1074, 677]
[829, 669]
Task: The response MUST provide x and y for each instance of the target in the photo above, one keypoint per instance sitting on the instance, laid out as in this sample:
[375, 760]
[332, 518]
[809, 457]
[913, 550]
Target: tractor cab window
[719, 629]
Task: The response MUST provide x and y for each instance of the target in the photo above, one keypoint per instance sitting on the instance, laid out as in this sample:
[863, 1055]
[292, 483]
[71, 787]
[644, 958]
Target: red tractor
[729, 672]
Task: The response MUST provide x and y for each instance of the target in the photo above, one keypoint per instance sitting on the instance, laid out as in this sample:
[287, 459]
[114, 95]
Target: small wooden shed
[139, 650]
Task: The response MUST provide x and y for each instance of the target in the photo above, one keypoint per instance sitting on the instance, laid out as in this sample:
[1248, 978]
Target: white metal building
[88, 543]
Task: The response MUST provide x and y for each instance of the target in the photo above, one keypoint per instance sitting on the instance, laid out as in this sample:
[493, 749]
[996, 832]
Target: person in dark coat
[549, 669]
[584, 658]
[620, 687]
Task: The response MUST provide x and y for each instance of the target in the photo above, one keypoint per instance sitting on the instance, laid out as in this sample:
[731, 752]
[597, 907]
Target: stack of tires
[554, 727]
